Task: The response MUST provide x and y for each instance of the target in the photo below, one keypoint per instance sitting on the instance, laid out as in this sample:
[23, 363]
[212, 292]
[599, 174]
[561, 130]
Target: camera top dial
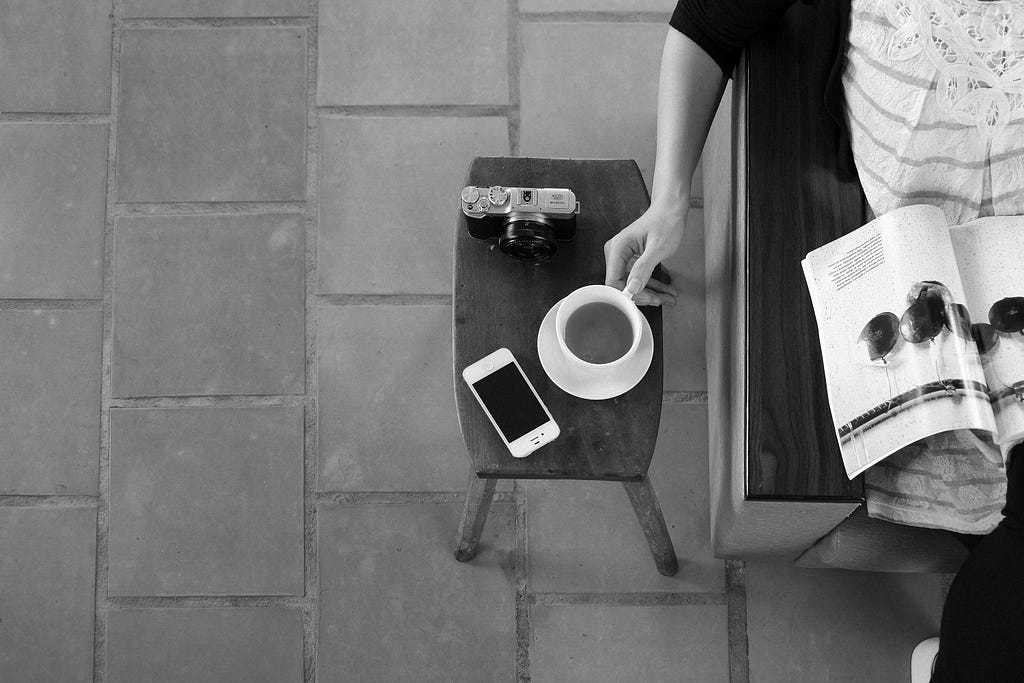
[470, 194]
[498, 195]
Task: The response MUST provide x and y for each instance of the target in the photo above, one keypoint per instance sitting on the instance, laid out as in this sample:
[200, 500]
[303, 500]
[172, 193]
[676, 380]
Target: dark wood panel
[501, 302]
[796, 202]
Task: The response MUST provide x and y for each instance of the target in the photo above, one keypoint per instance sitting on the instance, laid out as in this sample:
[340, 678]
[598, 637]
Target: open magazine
[922, 330]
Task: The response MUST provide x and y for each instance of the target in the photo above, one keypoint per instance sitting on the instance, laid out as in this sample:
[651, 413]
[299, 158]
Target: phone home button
[488, 366]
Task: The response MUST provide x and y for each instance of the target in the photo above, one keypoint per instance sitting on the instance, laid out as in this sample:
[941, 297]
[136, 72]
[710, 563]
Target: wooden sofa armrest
[772, 194]
[742, 526]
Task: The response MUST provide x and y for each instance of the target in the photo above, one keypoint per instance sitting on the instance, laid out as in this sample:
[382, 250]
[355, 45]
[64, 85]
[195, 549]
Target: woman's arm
[689, 89]
[702, 46]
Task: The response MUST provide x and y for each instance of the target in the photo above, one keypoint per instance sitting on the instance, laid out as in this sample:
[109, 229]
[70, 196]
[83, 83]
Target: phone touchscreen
[511, 402]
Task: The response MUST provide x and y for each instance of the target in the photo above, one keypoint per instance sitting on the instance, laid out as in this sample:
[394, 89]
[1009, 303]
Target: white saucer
[594, 388]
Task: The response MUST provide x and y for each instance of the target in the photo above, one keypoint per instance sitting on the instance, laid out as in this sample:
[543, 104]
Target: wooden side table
[499, 301]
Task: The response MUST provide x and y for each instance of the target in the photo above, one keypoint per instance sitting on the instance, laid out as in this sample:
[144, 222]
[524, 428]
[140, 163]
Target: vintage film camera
[528, 222]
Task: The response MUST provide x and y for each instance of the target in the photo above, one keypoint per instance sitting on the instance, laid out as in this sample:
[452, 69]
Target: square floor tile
[212, 114]
[404, 244]
[584, 535]
[685, 332]
[47, 593]
[56, 56]
[608, 108]
[216, 8]
[426, 52]
[387, 415]
[53, 185]
[243, 645]
[395, 605]
[50, 403]
[206, 501]
[831, 624]
[209, 305]
[624, 643]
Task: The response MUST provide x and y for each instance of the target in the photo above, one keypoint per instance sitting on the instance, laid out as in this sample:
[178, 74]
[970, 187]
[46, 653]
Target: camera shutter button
[470, 194]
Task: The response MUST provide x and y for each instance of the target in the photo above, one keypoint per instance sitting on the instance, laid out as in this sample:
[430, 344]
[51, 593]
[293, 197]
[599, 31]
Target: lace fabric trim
[977, 50]
[935, 104]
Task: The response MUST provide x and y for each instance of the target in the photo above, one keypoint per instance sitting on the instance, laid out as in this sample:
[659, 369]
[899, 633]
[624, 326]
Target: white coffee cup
[597, 294]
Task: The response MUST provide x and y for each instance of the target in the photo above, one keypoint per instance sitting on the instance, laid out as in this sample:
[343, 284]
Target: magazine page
[899, 358]
[990, 256]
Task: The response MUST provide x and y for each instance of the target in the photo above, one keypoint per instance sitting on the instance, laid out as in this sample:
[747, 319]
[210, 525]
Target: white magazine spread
[920, 327]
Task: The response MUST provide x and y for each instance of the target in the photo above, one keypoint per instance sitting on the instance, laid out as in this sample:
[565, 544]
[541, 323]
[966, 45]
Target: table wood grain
[498, 301]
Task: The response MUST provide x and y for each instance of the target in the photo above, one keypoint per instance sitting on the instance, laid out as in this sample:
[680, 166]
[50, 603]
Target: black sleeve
[722, 28]
[983, 617]
[1014, 510]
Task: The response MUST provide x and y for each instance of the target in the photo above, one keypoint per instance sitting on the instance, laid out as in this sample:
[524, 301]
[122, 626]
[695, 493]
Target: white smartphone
[512, 405]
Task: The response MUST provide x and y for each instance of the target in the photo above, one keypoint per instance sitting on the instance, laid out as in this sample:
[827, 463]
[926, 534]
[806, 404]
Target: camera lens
[527, 239]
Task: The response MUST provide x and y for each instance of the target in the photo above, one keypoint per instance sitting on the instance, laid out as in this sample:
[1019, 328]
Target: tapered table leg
[479, 494]
[645, 504]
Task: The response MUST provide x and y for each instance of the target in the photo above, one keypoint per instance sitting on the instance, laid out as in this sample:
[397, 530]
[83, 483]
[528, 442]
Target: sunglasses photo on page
[930, 318]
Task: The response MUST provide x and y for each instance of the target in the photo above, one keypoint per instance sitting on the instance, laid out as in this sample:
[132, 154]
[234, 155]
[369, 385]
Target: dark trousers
[982, 633]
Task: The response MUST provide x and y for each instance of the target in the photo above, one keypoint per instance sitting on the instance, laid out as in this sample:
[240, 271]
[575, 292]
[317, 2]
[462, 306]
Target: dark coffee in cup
[598, 332]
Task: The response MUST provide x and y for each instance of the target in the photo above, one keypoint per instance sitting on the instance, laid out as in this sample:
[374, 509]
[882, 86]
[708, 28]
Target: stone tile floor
[228, 442]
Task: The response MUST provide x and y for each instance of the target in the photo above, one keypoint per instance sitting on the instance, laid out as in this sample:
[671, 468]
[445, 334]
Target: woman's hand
[632, 255]
[690, 86]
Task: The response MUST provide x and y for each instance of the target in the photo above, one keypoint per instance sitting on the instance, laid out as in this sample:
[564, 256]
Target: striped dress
[935, 108]
[935, 104]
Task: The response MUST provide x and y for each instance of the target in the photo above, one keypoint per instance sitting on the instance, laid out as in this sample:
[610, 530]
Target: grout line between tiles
[736, 615]
[279, 401]
[103, 470]
[596, 17]
[200, 208]
[218, 22]
[514, 95]
[690, 397]
[49, 501]
[401, 497]
[384, 299]
[53, 117]
[411, 110]
[520, 587]
[641, 599]
[51, 304]
[204, 601]
[311, 563]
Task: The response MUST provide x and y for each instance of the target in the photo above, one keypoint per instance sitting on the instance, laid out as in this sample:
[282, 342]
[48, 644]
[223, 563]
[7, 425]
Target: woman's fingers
[619, 255]
[662, 287]
[650, 297]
